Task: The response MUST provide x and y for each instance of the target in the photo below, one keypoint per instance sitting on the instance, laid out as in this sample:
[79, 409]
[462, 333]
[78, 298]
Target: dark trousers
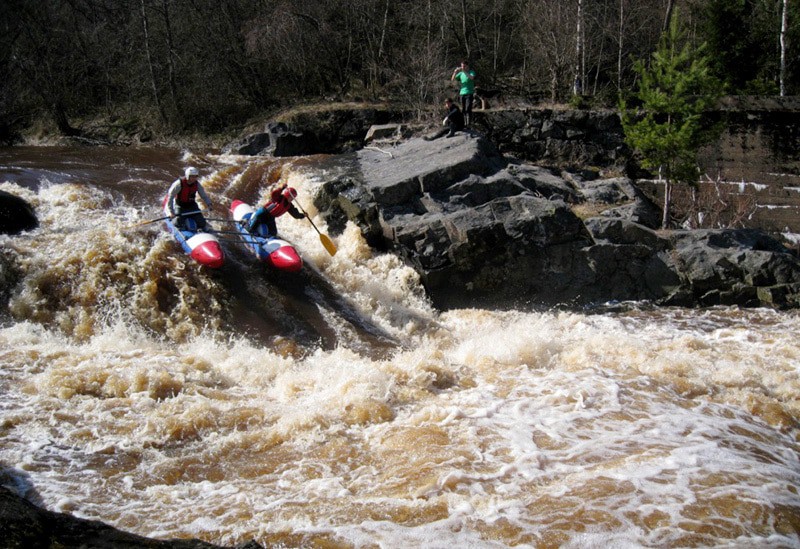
[466, 107]
[450, 130]
[262, 223]
[189, 210]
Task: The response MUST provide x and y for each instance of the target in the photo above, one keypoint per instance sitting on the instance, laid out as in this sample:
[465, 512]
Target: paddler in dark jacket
[181, 199]
[280, 202]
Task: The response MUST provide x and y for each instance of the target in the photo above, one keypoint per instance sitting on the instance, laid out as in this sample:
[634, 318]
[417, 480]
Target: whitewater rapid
[134, 393]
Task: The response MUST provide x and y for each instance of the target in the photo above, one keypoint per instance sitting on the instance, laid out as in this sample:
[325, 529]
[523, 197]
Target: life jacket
[187, 192]
[277, 206]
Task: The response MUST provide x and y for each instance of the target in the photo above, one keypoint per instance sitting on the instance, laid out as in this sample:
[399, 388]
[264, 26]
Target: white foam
[483, 429]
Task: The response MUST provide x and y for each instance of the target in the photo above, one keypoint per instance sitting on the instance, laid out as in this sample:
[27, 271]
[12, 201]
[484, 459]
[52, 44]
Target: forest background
[209, 66]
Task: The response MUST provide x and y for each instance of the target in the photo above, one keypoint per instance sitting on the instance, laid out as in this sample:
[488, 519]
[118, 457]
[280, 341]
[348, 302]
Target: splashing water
[132, 395]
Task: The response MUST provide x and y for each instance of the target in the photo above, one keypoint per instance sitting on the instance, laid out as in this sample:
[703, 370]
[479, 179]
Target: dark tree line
[206, 64]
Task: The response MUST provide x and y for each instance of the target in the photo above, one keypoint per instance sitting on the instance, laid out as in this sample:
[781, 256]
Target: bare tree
[70, 57]
[634, 32]
[49, 60]
[173, 86]
[464, 27]
[714, 204]
[150, 64]
[549, 43]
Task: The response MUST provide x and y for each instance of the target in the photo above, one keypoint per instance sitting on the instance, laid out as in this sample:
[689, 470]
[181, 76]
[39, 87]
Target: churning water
[337, 408]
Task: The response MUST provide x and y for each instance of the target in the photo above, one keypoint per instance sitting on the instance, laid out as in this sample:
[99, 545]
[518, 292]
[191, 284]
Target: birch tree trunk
[667, 203]
[577, 88]
[497, 35]
[621, 41]
[784, 25]
[668, 16]
[383, 31]
[429, 22]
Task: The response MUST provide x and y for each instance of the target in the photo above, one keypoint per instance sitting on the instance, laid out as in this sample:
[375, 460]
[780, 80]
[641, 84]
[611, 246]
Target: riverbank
[140, 129]
[750, 177]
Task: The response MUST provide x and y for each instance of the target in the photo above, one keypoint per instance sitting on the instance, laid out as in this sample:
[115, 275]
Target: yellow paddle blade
[328, 243]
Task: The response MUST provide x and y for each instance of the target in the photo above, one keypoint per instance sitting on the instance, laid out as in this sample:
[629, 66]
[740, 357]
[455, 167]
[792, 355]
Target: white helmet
[190, 171]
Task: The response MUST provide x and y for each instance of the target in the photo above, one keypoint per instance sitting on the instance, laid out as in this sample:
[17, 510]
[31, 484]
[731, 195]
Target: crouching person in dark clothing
[453, 122]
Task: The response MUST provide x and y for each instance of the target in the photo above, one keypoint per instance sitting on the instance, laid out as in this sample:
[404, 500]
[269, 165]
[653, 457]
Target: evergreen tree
[674, 92]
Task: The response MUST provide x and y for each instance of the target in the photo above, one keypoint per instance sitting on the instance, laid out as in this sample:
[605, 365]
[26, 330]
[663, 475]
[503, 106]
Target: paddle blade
[328, 243]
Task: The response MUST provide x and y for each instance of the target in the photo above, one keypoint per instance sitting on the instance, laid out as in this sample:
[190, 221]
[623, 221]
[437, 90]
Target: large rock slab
[417, 167]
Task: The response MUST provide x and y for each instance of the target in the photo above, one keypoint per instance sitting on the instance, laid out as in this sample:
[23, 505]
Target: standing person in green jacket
[466, 78]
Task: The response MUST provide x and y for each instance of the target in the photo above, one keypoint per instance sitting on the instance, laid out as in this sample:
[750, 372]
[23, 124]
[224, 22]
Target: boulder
[382, 132]
[344, 130]
[417, 166]
[731, 267]
[276, 140]
[16, 215]
[23, 524]
[10, 275]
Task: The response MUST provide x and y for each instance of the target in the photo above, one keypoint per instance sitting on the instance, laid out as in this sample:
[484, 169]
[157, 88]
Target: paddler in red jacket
[280, 202]
[181, 199]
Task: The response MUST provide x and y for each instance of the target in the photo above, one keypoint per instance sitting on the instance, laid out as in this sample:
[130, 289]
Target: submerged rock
[482, 230]
[16, 215]
[23, 525]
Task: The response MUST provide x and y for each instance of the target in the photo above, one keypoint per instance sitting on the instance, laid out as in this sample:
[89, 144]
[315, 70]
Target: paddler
[181, 199]
[280, 202]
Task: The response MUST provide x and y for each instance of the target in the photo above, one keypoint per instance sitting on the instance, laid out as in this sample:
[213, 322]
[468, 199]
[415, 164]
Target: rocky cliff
[483, 230]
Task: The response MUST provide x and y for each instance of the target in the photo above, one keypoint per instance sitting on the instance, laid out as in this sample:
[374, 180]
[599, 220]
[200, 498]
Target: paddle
[325, 239]
[220, 219]
[154, 220]
[226, 232]
[170, 217]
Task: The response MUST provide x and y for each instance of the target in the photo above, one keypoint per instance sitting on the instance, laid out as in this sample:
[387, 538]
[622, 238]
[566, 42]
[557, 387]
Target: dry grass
[587, 210]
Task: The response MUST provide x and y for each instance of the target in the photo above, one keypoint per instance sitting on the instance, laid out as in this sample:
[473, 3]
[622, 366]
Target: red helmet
[289, 193]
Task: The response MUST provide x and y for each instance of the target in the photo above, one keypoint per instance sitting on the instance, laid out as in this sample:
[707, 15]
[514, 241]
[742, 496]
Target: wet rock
[621, 231]
[16, 215]
[10, 275]
[24, 525]
[475, 228]
[730, 267]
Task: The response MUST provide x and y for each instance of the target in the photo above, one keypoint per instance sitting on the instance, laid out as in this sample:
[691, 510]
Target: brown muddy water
[337, 408]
